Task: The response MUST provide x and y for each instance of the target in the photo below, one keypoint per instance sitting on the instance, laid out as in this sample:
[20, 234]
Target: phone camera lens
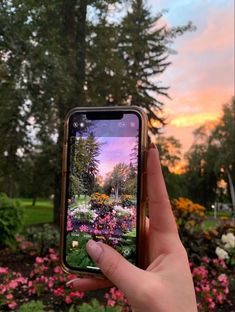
[75, 124]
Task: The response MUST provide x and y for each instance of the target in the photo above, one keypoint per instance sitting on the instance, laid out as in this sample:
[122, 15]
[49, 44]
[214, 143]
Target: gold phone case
[141, 190]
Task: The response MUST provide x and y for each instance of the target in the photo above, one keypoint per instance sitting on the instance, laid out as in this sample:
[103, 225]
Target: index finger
[160, 212]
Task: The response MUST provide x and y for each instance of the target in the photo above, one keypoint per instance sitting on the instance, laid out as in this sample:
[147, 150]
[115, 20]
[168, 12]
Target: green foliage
[84, 165]
[44, 237]
[36, 306]
[78, 256]
[170, 154]
[61, 54]
[212, 159]
[118, 178]
[11, 220]
[95, 306]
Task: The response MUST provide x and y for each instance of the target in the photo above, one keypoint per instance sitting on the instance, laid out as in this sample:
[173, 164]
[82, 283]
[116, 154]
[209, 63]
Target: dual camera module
[77, 125]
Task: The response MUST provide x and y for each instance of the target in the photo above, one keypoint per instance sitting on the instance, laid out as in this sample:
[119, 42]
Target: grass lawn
[42, 212]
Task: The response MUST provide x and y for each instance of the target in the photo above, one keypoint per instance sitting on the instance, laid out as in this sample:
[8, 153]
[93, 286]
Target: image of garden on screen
[102, 189]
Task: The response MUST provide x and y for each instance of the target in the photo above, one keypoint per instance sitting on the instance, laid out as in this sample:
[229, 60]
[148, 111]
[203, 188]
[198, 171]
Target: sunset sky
[201, 77]
[116, 138]
[114, 150]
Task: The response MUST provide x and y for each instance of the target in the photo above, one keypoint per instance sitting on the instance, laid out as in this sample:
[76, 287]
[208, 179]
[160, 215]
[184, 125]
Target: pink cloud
[217, 35]
[201, 76]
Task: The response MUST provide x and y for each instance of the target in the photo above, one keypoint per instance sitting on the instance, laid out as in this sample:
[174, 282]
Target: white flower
[221, 253]
[117, 207]
[228, 240]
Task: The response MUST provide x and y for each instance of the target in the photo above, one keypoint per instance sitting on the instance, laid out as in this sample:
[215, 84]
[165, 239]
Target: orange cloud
[195, 102]
[194, 120]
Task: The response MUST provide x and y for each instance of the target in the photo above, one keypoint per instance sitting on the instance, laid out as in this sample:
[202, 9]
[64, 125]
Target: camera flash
[82, 124]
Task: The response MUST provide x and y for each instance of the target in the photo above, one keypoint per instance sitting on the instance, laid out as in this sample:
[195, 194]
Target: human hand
[166, 285]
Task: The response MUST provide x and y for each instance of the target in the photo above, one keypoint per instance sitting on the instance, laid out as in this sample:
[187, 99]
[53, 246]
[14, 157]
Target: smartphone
[102, 185]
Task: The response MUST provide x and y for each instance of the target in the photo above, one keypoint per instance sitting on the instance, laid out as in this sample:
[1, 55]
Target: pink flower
[22, 280]
[71, 276]
[53, 257]
[83, 228]
[3, 270]
[51, 282]
[226, 290]
[58, 270]
[212, 305]
[69, 224]
[111, 303]
[59, 292]
[12, 305]
[77, 294]
[220, 297]
[68, 300]
[116, 294]
[223, 279]
[39, 260]
[3, 289]
[205, 259]
[13, 284]
[200, 272]
[208, 299]
[206, 287]
[43, 268]
[9, 296]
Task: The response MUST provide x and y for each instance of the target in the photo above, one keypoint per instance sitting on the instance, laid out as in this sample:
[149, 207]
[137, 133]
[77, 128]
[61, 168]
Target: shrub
[11, 220]
[43, 237]
[95, 306]
[36, 306]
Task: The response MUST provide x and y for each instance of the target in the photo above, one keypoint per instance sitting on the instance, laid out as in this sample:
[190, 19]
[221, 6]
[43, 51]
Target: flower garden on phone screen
[102, 190]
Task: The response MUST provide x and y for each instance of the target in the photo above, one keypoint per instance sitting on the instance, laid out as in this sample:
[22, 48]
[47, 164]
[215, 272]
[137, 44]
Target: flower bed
[211, 255]
[102, 219]
[30, 275]
[45, 281]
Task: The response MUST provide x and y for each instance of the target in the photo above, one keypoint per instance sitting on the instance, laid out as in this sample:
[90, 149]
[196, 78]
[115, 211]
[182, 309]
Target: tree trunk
[57, 177]
[116, 192]
[73, 48]
[34, 200]
[81, 52]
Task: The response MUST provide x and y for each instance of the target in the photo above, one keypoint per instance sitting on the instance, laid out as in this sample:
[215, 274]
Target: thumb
[116, 268]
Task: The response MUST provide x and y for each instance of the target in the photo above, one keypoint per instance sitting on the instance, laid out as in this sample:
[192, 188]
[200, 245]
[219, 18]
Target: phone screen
[102, 198]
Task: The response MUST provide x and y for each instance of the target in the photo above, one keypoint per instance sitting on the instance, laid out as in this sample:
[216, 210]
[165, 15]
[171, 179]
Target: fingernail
[94, 249]
[152, 145]
[71, 282]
